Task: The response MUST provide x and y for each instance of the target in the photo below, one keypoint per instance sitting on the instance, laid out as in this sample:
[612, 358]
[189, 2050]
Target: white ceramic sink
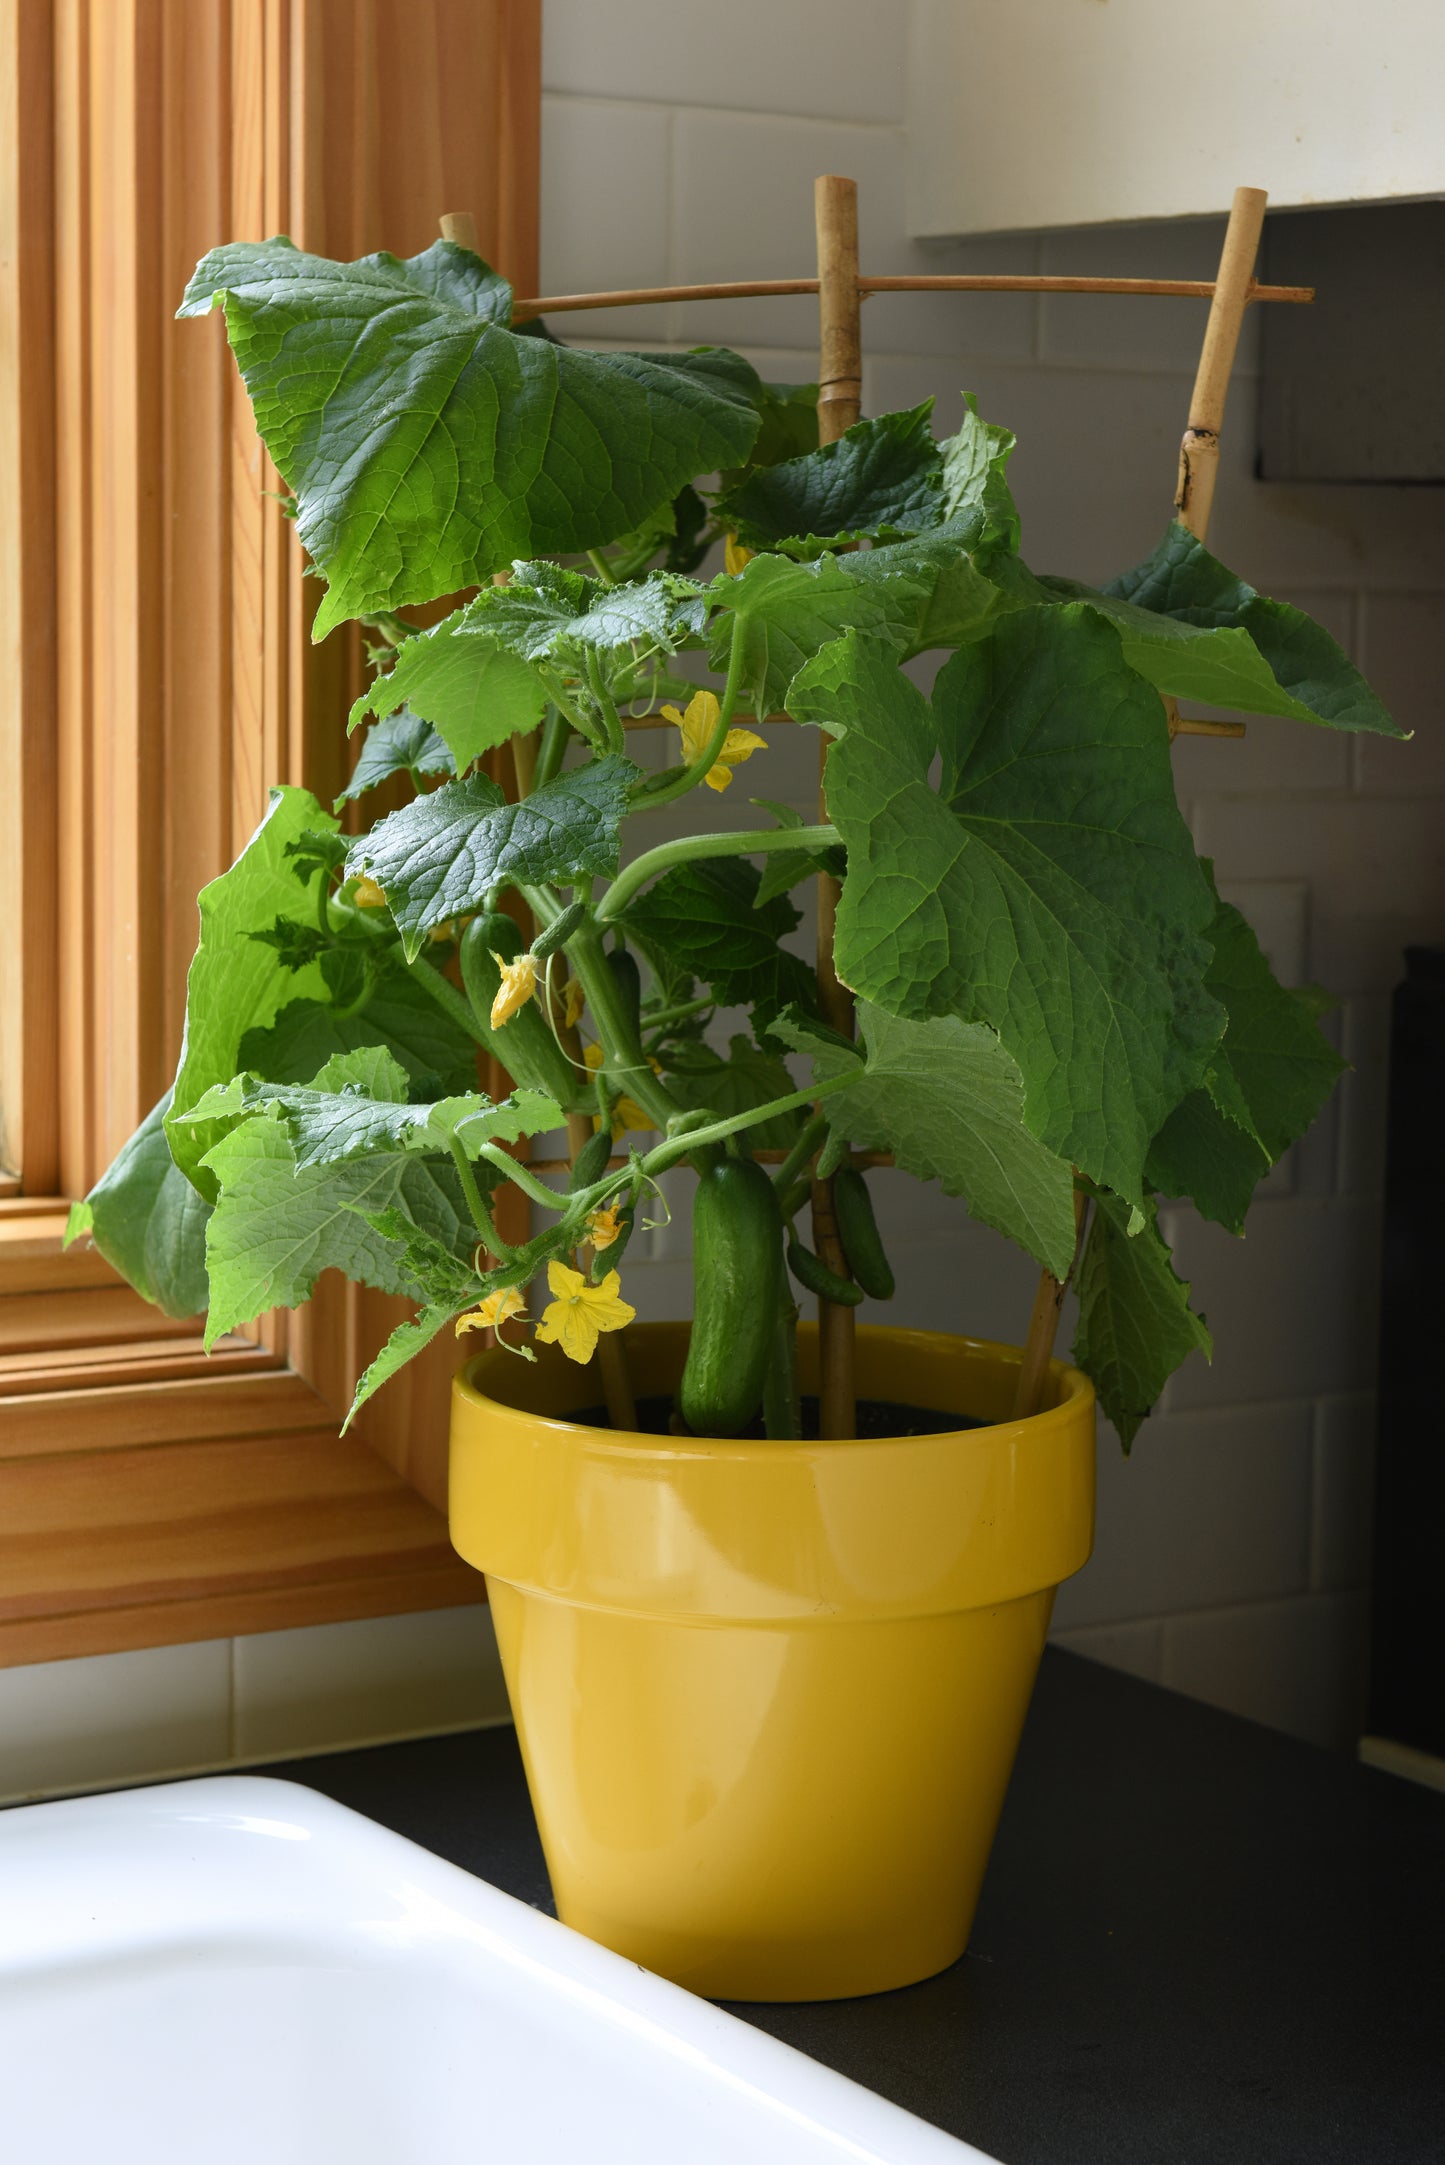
[240, 1972]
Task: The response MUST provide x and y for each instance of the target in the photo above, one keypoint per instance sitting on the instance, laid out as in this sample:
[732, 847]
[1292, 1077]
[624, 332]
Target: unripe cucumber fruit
[737, 1248]
[811, 1271]
[525, 1046]
[858, 1231]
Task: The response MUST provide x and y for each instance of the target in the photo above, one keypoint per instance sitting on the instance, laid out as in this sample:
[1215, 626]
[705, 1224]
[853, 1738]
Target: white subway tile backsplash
[1400, 643]
[1363, 1094]
[1292, 1306]
[1344, 1492]
[333, 1685]
[1375, 868]
[605, 171]
[111, 1718]
[1208, 1508]
[773, 56]
[1299, 1665]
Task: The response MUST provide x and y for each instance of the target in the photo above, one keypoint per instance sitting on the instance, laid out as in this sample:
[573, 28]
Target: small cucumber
[628, 979]
[591, 1161]
[737, 1238]
[858, 1231]
[525, 1046]
[607, 1259]
[560, 931]
[813, 1273]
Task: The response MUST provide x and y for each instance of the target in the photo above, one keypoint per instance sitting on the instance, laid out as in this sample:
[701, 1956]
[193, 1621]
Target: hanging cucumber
[737, 1238]
[812, 1272]
[858, 1231]
[525, 1046]
[591, 1161]
[628, 979]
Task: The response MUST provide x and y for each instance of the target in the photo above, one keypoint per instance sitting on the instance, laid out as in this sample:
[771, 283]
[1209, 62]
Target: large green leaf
[238, 983]
[277, 1227]
[148, 1221]
[947, 1100]
[438, 856]
[427, 445]
[704, 918]
[1197, 630]
[1135, 1322]
[1270, 1075]
[916, 594]
[882, 478]
[357, 1107]
[1048, 887]
[474, 693]
[698, 1076]
[399, 1015]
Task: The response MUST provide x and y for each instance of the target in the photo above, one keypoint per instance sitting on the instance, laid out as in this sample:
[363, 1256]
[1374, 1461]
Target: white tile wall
[1232, 1547]
[110, 1719]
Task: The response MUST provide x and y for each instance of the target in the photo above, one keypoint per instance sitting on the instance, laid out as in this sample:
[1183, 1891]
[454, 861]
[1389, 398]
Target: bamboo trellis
[842, 288]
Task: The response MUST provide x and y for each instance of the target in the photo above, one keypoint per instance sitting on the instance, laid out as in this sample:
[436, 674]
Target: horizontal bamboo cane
[1189, 289]
[1178, 727]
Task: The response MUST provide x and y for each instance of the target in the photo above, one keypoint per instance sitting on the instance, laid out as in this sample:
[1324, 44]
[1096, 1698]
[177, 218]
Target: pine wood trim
[152, 598]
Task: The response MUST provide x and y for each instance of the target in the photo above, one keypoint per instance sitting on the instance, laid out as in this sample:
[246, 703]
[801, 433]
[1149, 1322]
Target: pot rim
[1074, 1392]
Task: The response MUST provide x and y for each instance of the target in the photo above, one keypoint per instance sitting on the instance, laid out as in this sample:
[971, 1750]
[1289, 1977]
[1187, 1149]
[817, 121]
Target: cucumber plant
[1052, 998]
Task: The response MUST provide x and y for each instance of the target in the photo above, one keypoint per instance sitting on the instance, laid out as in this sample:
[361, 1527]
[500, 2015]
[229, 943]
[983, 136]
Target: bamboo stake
[461, 227]
[1190, 289]
[1199, 451]
[1193, 500]
[840, 397]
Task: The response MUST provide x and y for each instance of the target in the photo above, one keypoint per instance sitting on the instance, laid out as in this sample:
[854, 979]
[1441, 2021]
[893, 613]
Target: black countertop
[1198, 1940]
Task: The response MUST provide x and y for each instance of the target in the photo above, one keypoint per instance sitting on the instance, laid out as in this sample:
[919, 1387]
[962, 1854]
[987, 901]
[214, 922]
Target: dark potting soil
[876, 1417]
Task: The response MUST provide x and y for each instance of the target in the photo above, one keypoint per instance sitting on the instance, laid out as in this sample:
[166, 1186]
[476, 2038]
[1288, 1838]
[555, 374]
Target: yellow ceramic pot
[769, 1694]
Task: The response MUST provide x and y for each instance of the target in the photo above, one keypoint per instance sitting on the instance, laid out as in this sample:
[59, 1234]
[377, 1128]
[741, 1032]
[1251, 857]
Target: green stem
[626, 1062]
[598, 683]
[678, 1146]
[530, 1185]
[746, 842]
[453, 1003]
[601, 566]
[664, 790]
[363, 998]
[553, 749]
[801, 1152]
[481, 1216]
[556, 692]
[662, 1018]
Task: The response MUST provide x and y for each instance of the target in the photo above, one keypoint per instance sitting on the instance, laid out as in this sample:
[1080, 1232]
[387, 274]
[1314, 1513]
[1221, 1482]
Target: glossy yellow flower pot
[769, 1694]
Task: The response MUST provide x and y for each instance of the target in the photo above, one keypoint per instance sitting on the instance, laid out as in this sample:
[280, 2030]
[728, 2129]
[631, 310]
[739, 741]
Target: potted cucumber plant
[768, 1681]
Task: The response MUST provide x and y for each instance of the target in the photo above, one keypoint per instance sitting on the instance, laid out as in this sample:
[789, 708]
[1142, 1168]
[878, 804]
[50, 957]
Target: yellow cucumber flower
[574, 1000]
[626, 1112]
[496, 1309]
[735, 556]
[519, 982]
[604, 1227]
[579, 1313]
[367, 894]
[697, 726]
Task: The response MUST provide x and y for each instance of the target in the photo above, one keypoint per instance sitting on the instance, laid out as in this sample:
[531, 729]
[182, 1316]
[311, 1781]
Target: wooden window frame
[156, 622]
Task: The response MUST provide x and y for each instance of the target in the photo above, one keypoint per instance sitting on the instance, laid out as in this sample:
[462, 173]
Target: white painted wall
[681, 141]
[1025, 114]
